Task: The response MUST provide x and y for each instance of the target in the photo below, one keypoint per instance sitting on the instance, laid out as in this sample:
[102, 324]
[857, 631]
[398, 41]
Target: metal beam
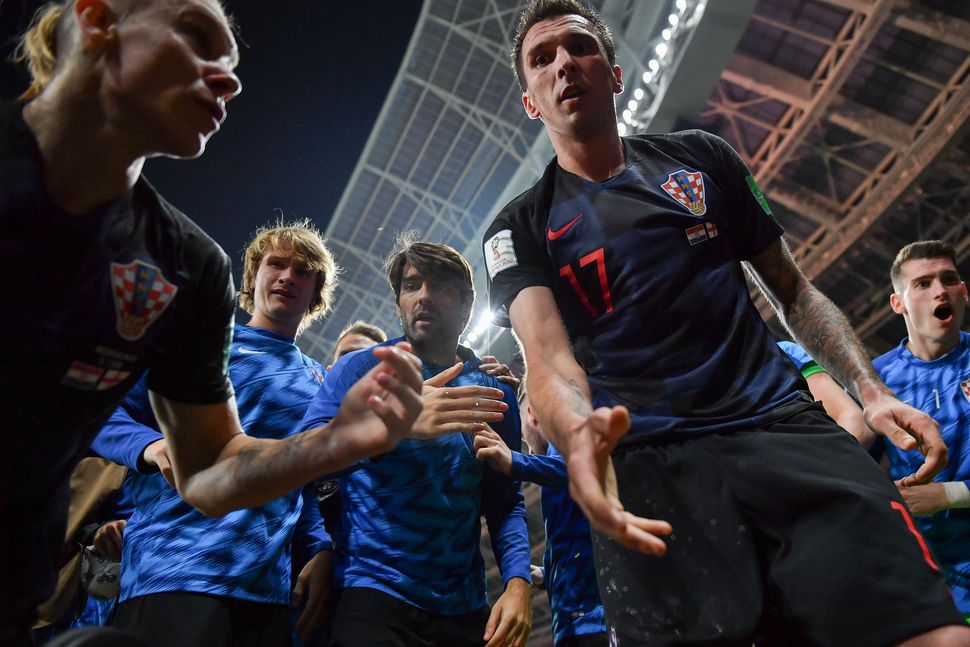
[945, 130]
[932, 24]
[833, 71]
[805, 202]
[870, 123]
[768, 80]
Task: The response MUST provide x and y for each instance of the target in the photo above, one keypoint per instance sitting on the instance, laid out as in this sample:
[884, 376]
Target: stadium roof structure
[852, 115]
[452, 143]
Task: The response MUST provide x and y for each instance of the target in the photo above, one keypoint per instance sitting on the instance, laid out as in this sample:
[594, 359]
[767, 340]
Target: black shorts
[787, 536]
[365, 616]
[199, 620]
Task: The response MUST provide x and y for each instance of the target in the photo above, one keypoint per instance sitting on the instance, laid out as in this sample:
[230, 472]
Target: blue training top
[246, 554]
[574, 597]
[941, 388]
[410, 523]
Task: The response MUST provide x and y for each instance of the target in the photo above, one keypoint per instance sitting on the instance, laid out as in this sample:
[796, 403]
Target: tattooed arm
[218, 468]
[821, 328]
[560, 395]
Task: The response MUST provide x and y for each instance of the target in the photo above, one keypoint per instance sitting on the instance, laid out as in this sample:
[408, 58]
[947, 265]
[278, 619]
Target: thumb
[445, 376]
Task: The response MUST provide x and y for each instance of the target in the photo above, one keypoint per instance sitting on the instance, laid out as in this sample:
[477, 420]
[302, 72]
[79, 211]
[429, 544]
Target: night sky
[315, 74]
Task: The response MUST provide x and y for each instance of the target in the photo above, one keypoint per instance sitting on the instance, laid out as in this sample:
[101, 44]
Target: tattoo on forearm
[827, 335]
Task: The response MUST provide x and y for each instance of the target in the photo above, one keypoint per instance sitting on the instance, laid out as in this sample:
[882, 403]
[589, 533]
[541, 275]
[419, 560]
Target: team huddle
[700, 483]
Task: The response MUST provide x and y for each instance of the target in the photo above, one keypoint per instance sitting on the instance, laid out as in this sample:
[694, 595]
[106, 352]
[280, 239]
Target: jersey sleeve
[548, 471]
[752, 225]
[190, 363]
[343, 375]
[504, 507]
[802, 360]
[514, 256]
[129, 430]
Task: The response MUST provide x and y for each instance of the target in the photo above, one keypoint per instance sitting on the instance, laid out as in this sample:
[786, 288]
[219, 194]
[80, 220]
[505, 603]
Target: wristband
[957, 494]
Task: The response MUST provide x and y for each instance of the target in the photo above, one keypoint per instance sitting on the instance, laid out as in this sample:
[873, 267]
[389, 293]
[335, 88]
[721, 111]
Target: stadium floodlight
[638, 94]
[653, 65]
[661, 50]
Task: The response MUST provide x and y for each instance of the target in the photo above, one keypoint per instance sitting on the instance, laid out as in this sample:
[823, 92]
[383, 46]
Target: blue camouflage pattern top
[246, 554]
[940, 388]
[574, 597]
[411, 518]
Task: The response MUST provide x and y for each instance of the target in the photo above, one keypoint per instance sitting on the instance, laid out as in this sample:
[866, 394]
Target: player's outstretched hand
[592, 483]
[909, 428]
[380, 408]
[450, 409]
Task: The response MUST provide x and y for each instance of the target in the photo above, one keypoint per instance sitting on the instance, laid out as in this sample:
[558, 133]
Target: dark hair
[431, 259]
[919, 250]
[539, 10]
[364, 329]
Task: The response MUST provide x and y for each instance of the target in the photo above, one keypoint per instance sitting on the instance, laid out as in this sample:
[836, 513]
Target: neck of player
[931, 349]
[596, 158]
[440, 353]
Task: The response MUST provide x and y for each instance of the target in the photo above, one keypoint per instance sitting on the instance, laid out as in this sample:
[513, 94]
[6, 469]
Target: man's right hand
[450, 409]
[157, 454]
[380, 408]
[592, 483]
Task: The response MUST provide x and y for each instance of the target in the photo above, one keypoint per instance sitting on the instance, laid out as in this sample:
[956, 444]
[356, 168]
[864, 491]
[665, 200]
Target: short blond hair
[305, 241]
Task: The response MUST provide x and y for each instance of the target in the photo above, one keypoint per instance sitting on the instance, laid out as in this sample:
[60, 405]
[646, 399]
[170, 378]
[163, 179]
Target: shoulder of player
[171, 227]
[694, 142]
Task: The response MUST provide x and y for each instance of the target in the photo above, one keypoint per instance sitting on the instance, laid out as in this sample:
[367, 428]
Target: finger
[493, 619]
[936, 460]
[472, 392]
[404, 365]
[475, 404]
[298, 590]
[445, 376]
[489, 359]
[500, 637]
[311, 615]
[511, 380]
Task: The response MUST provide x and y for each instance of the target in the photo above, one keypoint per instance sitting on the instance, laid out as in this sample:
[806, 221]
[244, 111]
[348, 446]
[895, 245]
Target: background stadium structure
[852, 114]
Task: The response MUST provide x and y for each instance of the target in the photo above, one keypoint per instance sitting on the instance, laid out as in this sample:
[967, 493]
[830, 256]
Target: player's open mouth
[943, 312]
[571, 92]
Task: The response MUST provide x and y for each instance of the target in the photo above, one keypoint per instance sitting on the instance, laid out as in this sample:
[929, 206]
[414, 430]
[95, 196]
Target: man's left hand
[908, 428]
[510, 621]
[924, 500]
[313, 583]
[491, 366]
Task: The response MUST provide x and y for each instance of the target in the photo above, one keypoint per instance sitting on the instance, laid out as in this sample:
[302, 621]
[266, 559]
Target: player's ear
[530, 108]
[896, 302]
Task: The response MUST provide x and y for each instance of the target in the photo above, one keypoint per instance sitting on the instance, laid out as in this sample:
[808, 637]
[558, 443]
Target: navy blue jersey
[940, 388]
[88, 303]
[646, 271]
[246, 554]
[411, 518]
[574, 597]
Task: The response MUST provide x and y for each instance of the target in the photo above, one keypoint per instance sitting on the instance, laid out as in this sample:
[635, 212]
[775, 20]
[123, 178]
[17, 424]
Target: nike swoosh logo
[554, 234]
[246, 351]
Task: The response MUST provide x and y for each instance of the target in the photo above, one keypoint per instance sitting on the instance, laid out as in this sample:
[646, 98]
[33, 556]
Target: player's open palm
[592, 483]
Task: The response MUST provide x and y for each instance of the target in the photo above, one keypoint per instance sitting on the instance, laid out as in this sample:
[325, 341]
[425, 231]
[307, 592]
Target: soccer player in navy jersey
[620, 272]
[102, 279]
[408, 565]
[227, 578]
[930, 369]
[568, 570]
